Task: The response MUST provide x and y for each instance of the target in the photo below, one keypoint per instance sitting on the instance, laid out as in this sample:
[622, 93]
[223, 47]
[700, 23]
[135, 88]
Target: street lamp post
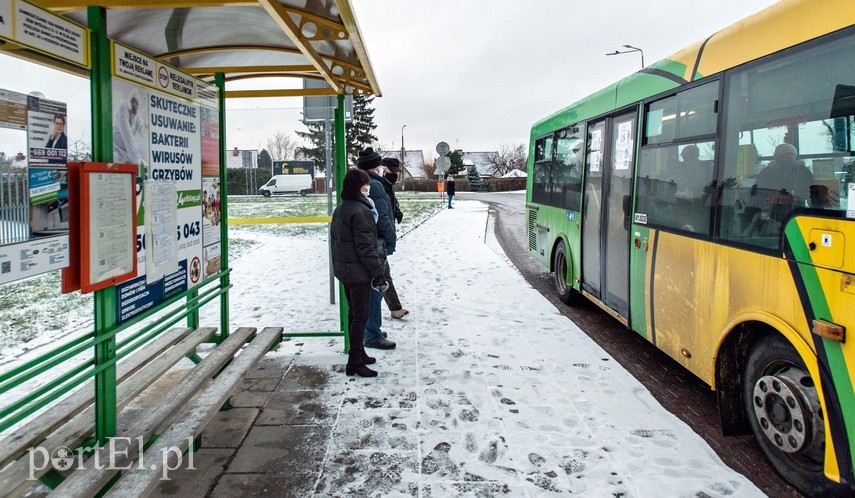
[403, 177]
[402, 144]
[631, 49]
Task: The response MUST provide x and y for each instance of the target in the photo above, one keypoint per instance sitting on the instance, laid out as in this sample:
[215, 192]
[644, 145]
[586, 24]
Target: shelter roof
[305, 39]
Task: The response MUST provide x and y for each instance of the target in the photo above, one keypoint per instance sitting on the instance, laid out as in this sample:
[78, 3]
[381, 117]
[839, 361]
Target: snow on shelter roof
[306, 39]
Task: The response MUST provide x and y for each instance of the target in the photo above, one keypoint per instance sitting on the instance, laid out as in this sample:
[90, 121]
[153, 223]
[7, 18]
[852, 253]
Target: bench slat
[89, 480]
[141, 480]
[14, 446]
[13, 478]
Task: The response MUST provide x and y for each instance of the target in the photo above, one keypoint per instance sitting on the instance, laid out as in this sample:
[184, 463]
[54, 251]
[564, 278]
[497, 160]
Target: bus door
[606, 210]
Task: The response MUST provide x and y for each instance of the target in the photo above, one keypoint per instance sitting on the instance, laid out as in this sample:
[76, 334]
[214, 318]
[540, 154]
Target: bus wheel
[567, 294]
[783, 408]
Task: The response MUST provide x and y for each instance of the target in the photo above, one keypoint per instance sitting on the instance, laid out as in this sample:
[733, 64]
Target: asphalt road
[679, 391]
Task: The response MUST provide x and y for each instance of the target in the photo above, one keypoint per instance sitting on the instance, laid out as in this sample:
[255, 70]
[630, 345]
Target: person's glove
[379, 284]
[399, 216]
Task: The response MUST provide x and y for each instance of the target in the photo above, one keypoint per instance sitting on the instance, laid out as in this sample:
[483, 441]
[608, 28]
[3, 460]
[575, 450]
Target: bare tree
[79, 150]
[429, 167]
[281, 146]
[508, 158]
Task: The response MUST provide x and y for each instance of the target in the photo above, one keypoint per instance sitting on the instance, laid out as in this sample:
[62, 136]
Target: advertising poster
[48, 32]
[210, 119]
[212, 260]
[162, 133]
[46, 134]
[34, 199]
[210, 210]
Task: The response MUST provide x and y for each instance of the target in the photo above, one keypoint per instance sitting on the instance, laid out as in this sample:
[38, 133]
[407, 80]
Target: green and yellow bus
[708, 203]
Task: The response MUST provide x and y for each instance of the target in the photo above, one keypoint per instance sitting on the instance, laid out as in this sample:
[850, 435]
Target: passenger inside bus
[783, 185]
[693, 175]
[787, 174]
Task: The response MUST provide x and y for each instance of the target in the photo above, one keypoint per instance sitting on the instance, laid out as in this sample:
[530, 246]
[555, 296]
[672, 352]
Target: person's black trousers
[358, 307]
[391, 295]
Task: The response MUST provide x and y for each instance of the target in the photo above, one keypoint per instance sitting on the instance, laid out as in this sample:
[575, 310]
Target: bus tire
[783, 408]
[567, 294]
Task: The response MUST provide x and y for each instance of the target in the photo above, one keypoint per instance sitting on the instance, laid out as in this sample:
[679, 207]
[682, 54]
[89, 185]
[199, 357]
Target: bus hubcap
[784, 404]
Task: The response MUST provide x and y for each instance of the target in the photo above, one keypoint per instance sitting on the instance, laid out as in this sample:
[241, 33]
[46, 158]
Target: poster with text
[46, 134]
[210, 120]
[162, 133]
[210, 210]
[213, 260]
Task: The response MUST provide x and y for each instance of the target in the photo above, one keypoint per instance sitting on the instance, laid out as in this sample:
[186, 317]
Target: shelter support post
[340, 169]
[225, 280]
[105, 300]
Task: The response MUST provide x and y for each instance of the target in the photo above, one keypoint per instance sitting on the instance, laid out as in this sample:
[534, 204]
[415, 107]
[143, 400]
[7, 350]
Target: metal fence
[14, 208]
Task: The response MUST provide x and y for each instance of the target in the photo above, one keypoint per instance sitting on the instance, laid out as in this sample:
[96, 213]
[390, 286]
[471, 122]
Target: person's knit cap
[392, 164]
[368, 159]
[785, 148]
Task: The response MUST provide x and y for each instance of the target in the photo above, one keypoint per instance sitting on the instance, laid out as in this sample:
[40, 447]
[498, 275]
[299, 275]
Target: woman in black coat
[356, 263]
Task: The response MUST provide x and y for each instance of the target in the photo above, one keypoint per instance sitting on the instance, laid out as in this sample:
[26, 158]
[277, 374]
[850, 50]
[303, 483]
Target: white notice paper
[161, 213]
[111, 230]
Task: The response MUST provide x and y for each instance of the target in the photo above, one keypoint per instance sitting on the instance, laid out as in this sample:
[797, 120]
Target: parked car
[286, 184]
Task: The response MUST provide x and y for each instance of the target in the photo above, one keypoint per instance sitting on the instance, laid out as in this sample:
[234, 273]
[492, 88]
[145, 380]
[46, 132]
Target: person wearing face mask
[370, 161]
[390, 177]
[357, 263]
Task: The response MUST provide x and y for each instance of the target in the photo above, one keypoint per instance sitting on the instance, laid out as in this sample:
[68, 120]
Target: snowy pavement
[491, 391]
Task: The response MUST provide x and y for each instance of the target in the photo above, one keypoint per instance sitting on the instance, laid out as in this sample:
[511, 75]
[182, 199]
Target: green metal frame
[105, 300]
[104, 341]
[340, 169]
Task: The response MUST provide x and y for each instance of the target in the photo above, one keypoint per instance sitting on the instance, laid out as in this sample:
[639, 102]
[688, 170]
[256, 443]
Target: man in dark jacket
[393, 167]
[370, 162]
[356, 263]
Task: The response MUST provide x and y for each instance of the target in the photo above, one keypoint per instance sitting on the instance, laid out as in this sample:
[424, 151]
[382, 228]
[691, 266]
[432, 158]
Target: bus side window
[542, 183]
[676, 166]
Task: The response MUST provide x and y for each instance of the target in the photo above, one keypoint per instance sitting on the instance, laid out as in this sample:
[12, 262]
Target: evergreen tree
[358, 134]
[315, 142]
[456, 157]
[474, 179]
[265, 163]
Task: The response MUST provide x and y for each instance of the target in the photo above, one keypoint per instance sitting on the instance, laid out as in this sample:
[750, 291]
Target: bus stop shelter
[182, 56]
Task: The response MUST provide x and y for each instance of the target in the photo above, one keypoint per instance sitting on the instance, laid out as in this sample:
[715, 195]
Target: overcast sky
[475, 73]
[478, 74]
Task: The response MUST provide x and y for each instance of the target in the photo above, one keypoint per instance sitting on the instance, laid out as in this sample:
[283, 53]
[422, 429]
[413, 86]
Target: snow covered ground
[491, 390]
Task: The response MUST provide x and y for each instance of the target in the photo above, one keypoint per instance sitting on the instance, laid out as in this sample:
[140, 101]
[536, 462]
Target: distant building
[483, 162]
[414, 162]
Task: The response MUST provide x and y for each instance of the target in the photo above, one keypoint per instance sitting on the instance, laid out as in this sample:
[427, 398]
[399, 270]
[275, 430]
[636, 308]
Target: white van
[283, 184]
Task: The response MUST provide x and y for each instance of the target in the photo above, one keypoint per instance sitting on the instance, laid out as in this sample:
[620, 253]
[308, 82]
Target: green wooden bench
[178, 415]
